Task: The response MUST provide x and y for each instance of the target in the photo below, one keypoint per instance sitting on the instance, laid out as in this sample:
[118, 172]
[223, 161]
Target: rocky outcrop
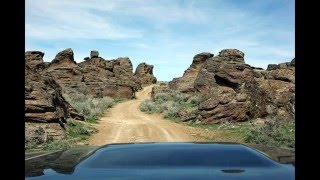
[46, 110]
[223, 70]
[232, 55]
[282, 72]
[34, 59]
[95, 76]
[253, 93]
[112, 78]
[235, 91]
[43, 99]
[94, 54]
[144, 73]
[65, 71]
[223, 105]
[185, 84]
[63, 59]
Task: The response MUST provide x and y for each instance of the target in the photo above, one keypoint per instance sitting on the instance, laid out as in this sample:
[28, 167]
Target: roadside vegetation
[274, 132]
[171, 105]
[92, 108]
[77, 132]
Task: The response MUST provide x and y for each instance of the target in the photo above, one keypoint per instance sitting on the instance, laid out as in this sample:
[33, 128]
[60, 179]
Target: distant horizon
[166, 34]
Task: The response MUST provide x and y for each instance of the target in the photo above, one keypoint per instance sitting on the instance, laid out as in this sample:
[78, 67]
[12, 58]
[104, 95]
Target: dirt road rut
[126, 123]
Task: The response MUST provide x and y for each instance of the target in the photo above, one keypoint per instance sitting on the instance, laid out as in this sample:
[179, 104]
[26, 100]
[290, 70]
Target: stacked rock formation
[144, 73]
[236, 91]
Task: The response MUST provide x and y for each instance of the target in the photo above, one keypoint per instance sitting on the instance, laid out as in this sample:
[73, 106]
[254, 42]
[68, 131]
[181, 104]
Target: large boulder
[197, 62]
[36, 56]
[144, 73]
[223, 105]
[34, 59]
[227, 69]
[64, 59]
[94, 54]
[185, 84]
[232, 55]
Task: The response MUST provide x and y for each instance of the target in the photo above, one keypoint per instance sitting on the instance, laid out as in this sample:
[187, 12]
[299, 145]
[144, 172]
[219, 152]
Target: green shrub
[148, 106]
[91, 120]
[170, 104]
[77, 129]
[279, 132]
[195, 100]
[89, 106]
[172, 113]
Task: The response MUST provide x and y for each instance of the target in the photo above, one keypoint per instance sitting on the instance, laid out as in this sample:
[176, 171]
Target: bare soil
[125, 123]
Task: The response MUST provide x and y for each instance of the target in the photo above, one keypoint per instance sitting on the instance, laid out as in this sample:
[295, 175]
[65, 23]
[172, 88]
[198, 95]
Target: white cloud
[161, 32]
[69, 20]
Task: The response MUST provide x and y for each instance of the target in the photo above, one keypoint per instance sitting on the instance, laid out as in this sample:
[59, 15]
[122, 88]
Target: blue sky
[165, 33]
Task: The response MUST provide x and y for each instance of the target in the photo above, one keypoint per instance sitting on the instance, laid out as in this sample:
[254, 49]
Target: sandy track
[126, 123]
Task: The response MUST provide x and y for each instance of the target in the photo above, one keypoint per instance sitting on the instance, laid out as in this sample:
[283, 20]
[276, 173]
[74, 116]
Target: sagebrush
[275, 132]
[170, 104]
[76, 132]
[89, 106]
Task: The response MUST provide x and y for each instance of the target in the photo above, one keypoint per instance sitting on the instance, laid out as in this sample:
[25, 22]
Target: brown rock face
[43, 99]
[45, 107]
[144, 73]
[63, 59]
[228, 69]
[34, 59]
[95, 76]
[235, 91]
[185, 83]
[109, 78]
[198, 61]
[34, 56]
[259, 93]
[94, 54]
[224, 104]
[232, 55]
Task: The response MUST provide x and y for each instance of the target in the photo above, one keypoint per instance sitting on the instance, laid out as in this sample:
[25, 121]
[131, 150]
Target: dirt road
[126, 123]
